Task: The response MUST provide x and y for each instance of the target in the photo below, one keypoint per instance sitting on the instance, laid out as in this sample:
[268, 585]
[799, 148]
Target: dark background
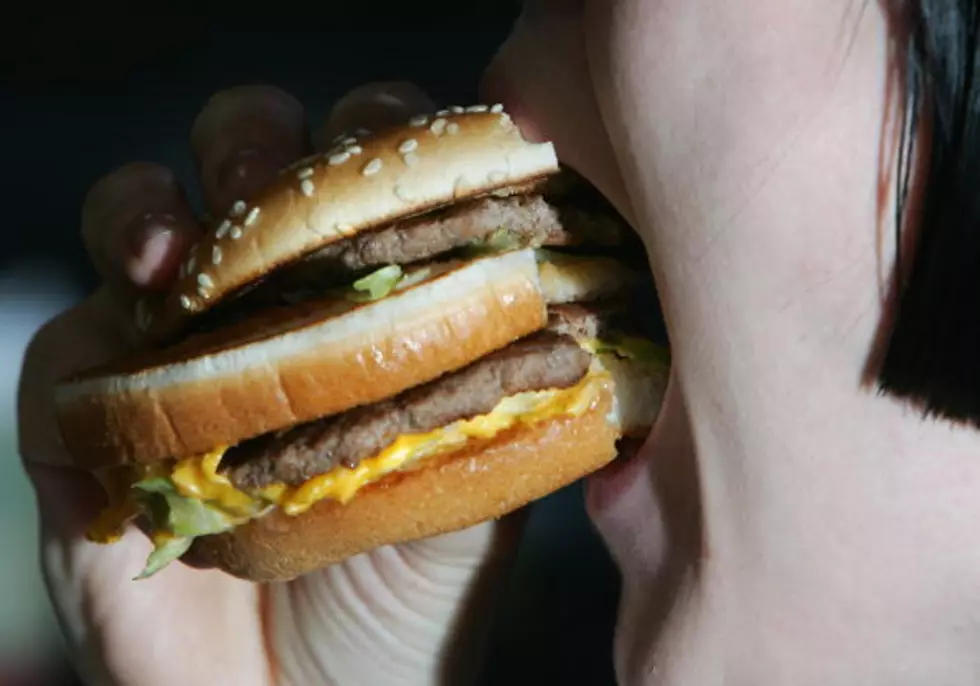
[82, 96]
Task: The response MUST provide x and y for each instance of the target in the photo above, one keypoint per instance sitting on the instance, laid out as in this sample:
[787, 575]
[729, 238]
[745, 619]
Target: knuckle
[374, 105]
[240, 101]
[245, 93]
[42, 351]
[129, 173]
[38, 355]
[123, 184]
[395, 91]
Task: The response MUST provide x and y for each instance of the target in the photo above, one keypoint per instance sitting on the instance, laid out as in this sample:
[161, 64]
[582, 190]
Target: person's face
[644, 509]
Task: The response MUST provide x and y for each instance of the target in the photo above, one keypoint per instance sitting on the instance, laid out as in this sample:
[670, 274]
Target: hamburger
[421, 329]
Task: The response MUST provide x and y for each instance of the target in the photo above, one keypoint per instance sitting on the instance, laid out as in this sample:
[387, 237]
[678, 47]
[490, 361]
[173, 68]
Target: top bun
[364, 181]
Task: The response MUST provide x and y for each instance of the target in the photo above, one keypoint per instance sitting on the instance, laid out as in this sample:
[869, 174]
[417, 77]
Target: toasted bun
[363, 182]
[484, 480]
[571, 279]
[640, 391]
[222, 388]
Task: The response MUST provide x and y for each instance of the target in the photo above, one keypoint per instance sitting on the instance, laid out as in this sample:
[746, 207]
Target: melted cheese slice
[198, 477]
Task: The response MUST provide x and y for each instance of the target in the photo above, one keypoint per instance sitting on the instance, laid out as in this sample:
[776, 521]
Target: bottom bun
[482, 481]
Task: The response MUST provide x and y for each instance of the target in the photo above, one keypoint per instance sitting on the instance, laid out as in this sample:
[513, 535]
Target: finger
[371, 107]
[241, 139]
[87, 335]
[136, 225]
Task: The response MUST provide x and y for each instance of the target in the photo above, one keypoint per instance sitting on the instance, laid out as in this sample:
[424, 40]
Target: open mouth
[410, 299]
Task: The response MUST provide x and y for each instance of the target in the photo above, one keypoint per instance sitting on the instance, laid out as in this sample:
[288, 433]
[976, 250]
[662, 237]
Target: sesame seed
[191, 263]
[238, 208]
[442, 113]
[202, 292]
[354, 149]
[418, 120]
[402, 194]
[350, 140]
[372, 167]
[407, 146]
[452, 128]
[252, 215]
[362, 132]
[338, 158]
[438, 126]
[411, 159]
[223, 229]
[185, 302]
[497, 109]
[477, 108]
[236, 233]
[307, 188]
[339, 139]
[304, 173]
[204, 281]
[215, 255]
[456, 109]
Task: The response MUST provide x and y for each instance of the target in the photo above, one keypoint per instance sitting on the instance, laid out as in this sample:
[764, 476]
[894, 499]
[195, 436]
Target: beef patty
[531, 219]
[541, 361]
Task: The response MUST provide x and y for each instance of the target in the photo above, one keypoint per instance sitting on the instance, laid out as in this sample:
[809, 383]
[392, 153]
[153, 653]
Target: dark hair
[933, 353]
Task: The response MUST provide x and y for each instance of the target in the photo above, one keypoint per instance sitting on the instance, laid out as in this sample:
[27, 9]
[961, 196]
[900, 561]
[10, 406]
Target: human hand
[406, 614]
[785, 523]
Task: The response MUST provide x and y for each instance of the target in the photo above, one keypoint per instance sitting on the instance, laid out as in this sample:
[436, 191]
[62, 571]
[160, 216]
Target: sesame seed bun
[364, 181]
[270, 373]
[483, 480]
[248, 345]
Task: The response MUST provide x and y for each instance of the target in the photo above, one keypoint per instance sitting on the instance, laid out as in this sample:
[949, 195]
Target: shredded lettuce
[499, 241]
[170, 511]
[179, 519]
[377, 284]
[383, 282]
[168, 550]
[641, 350]
[412, 278]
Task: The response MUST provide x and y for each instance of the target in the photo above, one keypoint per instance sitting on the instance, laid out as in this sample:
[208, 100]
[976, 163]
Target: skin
[783, 524]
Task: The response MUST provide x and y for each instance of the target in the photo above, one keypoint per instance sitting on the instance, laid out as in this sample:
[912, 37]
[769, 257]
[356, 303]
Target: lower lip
[605, 487]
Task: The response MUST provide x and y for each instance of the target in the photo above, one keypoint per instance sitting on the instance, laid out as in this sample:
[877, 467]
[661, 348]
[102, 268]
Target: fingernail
[151, 239]
[246, 171]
